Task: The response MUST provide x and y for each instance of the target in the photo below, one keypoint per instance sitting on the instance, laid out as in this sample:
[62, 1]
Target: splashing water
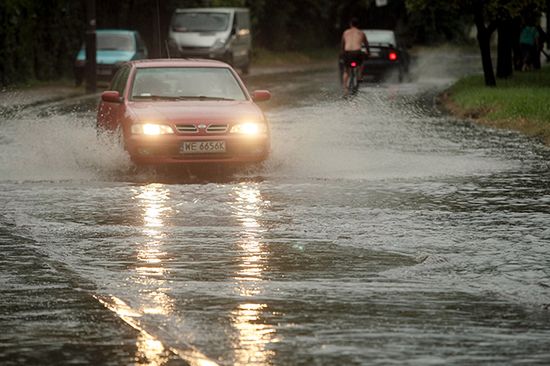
[57, 148]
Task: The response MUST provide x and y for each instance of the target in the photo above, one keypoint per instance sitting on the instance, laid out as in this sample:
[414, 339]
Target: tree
[488, 16]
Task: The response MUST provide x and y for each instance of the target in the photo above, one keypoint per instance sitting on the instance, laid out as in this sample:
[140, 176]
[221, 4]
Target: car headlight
[249, 128]
[220, 43]
[151, 129]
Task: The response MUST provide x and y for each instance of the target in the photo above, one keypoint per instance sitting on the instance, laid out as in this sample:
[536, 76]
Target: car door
[110, 113]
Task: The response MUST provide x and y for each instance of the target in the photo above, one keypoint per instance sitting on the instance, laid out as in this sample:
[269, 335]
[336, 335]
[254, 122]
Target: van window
[200, 22]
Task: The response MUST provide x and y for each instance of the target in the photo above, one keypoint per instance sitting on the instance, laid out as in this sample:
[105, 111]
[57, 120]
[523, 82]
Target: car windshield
[200, 22]
[380, 37]
[114, 42]
[186, 83]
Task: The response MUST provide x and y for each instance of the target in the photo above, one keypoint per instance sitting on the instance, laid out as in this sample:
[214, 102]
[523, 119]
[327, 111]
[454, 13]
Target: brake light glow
[392, 56]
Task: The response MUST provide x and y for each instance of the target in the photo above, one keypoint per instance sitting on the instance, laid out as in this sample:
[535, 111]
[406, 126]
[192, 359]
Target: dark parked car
[387, 56]
[114, 46]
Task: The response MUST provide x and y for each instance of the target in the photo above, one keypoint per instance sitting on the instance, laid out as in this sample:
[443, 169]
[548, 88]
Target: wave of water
[372, 137]
[57, 147]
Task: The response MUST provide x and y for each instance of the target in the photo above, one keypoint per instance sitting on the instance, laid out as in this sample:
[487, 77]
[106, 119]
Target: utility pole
[157, 46]
[90, 40]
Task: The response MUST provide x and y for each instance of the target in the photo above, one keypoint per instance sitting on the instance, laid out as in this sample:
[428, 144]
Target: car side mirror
[261, 95]
[111, 96]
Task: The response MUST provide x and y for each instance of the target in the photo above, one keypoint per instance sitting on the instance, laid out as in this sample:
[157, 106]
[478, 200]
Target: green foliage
[438, 20]
[523, 97]
[37, 39]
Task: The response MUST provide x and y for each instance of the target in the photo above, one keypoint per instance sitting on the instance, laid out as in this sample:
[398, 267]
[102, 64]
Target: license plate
[202, 147]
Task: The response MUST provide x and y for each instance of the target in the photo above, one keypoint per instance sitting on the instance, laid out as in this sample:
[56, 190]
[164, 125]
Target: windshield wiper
[155, 97]
[201, 97]
[179, 97]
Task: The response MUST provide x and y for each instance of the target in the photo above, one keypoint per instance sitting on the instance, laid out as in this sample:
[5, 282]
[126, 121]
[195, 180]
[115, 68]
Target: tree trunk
[504, 48]
[484, 40]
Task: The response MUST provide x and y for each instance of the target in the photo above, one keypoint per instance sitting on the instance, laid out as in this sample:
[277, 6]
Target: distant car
[214, 33]
[185, 111]
[114, 46]
[387, 55]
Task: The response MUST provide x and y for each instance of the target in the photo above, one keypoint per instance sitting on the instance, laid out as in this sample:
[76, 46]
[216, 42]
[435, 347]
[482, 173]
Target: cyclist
[353, 40]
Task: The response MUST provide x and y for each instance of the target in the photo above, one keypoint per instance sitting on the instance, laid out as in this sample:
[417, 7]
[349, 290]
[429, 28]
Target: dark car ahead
[387, 56]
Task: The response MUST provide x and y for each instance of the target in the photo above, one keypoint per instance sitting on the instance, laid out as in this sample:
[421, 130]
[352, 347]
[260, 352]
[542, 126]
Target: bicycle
[353, 81]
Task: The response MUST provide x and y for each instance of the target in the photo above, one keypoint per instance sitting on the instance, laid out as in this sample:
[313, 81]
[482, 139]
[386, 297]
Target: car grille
[187, 128]
[218, 128]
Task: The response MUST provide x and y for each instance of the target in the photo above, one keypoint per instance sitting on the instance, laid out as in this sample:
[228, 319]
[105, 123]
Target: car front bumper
[167, 149]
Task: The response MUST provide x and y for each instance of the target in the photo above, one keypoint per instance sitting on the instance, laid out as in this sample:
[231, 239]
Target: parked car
[213, 33]
[190, 112]
[114, 46]
[387, 56]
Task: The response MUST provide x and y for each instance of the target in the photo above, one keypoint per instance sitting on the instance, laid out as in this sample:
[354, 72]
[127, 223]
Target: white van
[215, 33]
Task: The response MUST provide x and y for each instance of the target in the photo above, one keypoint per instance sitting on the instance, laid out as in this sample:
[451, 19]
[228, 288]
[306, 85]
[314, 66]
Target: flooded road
[380, 231]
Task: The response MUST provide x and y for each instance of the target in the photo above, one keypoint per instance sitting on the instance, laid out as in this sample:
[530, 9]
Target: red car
[185, 112]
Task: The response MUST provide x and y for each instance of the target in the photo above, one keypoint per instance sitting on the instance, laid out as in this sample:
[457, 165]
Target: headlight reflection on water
[252, 334]
[151, 271]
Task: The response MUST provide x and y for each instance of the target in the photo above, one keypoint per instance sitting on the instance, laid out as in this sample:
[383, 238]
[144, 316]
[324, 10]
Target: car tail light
[392, 56]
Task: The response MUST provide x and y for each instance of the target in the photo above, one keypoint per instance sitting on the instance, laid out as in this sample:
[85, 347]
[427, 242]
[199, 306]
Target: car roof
[178, 62]
[380, 31]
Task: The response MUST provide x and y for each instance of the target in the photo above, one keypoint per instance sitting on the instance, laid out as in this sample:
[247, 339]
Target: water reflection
[151, 271]
[151, 351]
[253, 335]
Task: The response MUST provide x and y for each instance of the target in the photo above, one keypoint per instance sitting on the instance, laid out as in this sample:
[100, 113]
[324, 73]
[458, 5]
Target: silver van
[215, 33]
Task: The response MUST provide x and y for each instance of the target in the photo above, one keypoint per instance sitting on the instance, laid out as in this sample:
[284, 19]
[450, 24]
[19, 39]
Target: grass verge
[520, 103]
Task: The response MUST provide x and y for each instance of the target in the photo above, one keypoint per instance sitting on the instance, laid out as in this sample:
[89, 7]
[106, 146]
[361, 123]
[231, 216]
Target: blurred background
[39, 39]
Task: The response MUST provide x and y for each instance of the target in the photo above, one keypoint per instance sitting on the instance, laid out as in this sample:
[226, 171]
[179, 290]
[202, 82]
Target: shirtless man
[353, 40]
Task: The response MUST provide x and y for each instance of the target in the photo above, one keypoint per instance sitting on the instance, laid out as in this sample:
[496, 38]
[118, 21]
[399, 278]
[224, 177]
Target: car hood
[108, 57]
[195, 112]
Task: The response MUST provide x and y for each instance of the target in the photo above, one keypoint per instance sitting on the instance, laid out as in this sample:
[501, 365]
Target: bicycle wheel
[353, 83]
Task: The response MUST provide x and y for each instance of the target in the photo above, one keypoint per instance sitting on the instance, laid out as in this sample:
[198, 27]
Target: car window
[120, 80]
[200, 22]
[115, 42]
[187, 82]
[381, 37]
